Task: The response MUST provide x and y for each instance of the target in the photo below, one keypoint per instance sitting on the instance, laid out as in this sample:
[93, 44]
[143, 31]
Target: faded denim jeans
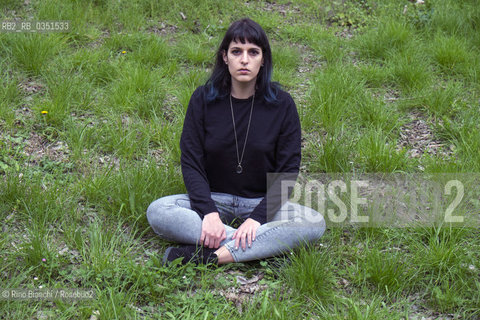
[172, 218]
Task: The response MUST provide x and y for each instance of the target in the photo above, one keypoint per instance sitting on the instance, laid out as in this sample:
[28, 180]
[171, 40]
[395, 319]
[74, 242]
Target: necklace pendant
[239, 169]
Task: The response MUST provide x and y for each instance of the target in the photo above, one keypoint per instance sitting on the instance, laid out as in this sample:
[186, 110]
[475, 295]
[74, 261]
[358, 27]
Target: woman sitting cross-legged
[239, 126]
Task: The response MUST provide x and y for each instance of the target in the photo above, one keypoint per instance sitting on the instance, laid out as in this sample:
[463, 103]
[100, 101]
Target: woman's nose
[244, 57]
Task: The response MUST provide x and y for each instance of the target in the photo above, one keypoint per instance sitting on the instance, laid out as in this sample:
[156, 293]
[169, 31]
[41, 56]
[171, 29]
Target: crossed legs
[173, 219]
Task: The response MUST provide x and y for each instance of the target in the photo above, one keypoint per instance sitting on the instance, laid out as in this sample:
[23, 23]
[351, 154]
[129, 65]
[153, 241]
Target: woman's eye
[235, 51]
[254, 52]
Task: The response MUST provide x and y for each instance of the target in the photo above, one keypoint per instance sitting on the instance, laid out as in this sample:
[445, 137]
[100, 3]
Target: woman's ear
[225, 57]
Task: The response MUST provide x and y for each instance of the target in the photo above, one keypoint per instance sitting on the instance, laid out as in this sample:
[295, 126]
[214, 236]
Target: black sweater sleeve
[193, 157]
[287, 159]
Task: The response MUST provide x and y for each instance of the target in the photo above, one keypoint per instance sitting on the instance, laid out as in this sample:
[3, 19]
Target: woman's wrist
[212, 214]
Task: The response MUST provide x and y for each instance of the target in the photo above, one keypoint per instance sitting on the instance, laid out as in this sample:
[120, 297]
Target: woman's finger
[237, 240]
[206, 242]
[244, 241]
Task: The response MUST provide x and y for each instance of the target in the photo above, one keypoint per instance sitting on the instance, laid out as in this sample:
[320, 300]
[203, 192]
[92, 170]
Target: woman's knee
[319, 228]
[314, 222]
[161, 206]
[152, 211]
[156, 214]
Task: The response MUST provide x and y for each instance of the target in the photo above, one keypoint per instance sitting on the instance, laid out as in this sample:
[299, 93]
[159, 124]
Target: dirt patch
[101, 40]
[38, 147]
[346, 33]
[282, 9]
[163, 29]
[391, 95]
[31, 86]
[418, 137]
[242, 290]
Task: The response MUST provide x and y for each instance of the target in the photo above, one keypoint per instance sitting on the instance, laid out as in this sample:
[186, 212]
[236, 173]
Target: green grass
[75, 182]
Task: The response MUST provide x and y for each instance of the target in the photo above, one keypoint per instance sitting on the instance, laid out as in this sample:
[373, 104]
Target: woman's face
[244, 61]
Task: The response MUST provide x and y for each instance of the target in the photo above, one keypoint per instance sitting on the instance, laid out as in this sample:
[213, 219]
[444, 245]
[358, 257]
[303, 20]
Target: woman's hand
[246, 233]
[213, 231]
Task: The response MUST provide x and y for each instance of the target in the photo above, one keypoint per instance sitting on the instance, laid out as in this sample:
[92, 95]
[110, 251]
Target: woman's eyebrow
[252, 48]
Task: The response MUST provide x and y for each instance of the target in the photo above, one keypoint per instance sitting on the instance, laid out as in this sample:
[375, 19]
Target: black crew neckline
[242, 100]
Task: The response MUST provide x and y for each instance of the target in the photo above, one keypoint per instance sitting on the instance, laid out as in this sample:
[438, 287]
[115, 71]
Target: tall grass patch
[389, 35]
[443, 265]
[389, 271]
[311, 33]
[127, 192]
[156, 53]
[449, 17]
[82, 139]
[10, 96]
[375, 75]
[333, 95]
[99, 67]
[332, 153]
[272, 305]
[64, 97]
[466, 137]
[451, 54]
[410, 69]
[445, 99]
[377, 153]
[32, 52]
[286, 62]
[373, 113]
[116, 134]
[188, 81]
[121, 45]
[309, 273]
[198, 51]
[85, 18]
[197, 15]
[124, 16]
[138, 90]
[10, 5]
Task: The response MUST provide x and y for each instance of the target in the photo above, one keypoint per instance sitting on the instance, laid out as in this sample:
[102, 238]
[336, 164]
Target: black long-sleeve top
[209, 156]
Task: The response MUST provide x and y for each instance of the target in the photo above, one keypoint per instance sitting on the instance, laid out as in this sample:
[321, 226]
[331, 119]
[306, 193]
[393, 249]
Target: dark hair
[219, 83]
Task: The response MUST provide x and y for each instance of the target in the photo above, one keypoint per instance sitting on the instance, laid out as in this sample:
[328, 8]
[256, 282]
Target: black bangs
[246, 33]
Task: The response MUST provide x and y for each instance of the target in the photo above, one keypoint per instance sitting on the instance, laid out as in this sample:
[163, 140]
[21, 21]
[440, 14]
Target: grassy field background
[90, 122]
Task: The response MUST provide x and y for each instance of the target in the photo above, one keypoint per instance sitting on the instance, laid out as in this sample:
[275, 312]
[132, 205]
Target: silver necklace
[240, 157]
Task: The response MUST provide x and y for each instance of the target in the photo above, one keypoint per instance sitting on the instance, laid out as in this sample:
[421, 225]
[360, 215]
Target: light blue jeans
[172, 218]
